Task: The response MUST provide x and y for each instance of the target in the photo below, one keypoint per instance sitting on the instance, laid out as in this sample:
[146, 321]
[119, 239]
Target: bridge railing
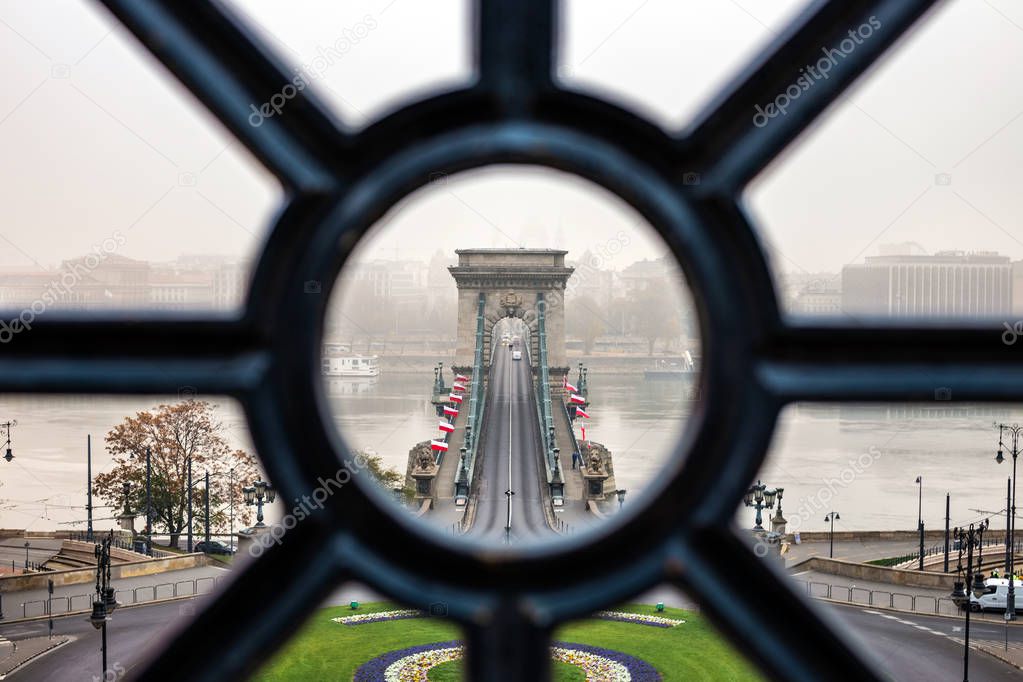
[545, 412]
[477, 406]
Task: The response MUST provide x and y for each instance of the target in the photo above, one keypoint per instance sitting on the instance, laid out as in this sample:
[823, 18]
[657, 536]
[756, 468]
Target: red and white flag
[577, 399]
[455, 398]
[570, 387]
[446, 427]
[450, 411]
[580, 412]
[583, 426]
[458, 387]
[461, 377]
[438, 445]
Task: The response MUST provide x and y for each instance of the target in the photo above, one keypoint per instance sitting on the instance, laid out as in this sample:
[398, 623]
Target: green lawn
[323, 649]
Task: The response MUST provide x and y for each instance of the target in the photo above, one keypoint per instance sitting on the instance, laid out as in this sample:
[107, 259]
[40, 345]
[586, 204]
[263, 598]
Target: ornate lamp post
[105, 602]
[8, 455]
[970, 537]
[1010, 512]
[759, 497]
[256, 494]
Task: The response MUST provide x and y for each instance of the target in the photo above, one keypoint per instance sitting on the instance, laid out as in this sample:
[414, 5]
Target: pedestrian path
[13, 655]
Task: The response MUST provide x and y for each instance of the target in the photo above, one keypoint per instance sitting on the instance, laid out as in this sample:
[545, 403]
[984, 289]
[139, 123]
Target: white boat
[351, 366]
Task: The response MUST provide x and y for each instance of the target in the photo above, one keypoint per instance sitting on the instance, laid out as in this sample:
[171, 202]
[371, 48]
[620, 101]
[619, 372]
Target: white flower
[639, 618]
[379, 615]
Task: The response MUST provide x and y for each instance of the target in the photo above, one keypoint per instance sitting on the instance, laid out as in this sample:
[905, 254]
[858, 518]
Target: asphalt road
[511, 458]
[131, 634]
[914, 648]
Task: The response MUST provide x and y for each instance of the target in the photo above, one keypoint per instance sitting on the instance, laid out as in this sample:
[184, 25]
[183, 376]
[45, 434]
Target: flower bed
[378, 617]
[640, 618]
[414, 663]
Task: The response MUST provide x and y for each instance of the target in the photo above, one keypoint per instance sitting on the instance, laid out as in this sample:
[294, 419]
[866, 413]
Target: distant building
[822, 296]
[944, 284]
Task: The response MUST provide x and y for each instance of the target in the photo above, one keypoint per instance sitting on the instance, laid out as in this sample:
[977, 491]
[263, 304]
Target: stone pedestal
[778, 523]
[424, 479]
[250, 541]
[594, 474]
[126, 522]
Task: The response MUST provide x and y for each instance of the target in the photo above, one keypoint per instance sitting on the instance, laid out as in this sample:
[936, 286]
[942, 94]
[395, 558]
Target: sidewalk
[28, 603]
[16, 654]
[851, 550]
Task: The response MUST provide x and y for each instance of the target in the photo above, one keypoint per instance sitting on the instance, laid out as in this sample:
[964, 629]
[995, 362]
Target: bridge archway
[514, 282]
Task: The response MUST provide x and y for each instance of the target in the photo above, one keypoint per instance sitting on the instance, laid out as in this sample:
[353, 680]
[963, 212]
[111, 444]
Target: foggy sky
[97, 137]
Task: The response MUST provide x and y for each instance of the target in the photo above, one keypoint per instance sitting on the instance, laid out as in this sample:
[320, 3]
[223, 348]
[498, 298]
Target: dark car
[213, 547]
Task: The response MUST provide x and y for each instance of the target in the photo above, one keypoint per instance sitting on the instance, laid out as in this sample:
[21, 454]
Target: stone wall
[76, 576]
[877, 574]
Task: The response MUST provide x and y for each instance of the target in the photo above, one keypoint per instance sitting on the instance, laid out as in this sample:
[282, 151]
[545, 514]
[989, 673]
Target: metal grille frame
[337, 184]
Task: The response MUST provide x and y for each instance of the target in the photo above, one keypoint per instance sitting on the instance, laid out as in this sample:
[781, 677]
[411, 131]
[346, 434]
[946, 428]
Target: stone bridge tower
[511, 279]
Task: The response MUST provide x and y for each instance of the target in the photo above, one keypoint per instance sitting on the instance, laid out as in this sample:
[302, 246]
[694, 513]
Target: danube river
[859, 460]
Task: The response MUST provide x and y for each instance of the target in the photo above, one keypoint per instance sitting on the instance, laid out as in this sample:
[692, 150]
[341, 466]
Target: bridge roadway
[511, 457]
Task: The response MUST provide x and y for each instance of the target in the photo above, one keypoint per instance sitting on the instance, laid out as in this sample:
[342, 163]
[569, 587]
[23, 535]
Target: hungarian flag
[577, 400]
[438, 445]
[583, 426]
[458, 387]
[455, 398]
[450, 411]
[461, 377]
[570, 387]
[580, 412]
[446, 427]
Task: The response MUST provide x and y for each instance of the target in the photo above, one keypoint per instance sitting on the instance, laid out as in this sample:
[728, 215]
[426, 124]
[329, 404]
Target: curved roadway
[510, 457]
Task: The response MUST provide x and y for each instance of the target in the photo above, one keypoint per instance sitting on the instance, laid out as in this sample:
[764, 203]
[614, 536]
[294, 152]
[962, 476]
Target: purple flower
[373, 670]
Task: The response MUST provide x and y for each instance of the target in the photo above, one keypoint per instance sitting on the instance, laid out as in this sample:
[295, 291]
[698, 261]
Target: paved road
[131, 634]
[926, 648]
[511, 457]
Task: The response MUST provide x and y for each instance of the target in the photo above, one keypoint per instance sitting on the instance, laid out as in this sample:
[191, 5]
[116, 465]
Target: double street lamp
[832, 517]
[1010, 513]
[970, 537]
[256, 494]
[105, 601]
[760, 497]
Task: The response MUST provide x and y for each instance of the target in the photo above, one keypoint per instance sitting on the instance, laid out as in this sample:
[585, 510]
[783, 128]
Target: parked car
[213, 547]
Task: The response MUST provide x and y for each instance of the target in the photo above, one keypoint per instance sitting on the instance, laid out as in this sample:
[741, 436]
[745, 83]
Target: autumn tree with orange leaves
[175, 434]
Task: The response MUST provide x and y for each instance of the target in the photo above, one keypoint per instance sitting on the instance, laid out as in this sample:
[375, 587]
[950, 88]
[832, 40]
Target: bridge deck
[511, 457]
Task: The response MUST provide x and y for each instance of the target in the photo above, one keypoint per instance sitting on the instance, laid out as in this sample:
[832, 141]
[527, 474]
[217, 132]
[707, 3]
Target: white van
[516, 355]
[996, 595]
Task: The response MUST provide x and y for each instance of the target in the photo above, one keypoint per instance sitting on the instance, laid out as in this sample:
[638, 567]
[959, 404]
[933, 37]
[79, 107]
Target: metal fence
[64, 604]
[923, 604]
[953, 551]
